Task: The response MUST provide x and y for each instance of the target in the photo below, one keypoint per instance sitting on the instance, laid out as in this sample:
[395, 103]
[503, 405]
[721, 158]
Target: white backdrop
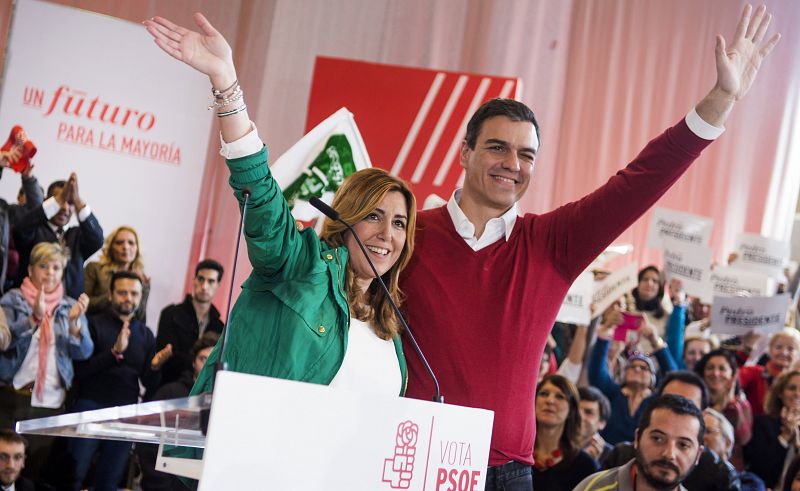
[70, 80]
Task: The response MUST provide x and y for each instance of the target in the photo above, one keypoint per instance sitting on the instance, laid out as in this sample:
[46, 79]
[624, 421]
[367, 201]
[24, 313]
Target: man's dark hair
[209, 264]
[513, 110]
[119, 275]
[592, 394]
[676, 404]
[686, 377]
[51, 189]
[207, 340]
[11, 436]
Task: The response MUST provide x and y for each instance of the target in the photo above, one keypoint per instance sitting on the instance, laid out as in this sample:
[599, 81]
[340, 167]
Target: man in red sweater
[485, 285]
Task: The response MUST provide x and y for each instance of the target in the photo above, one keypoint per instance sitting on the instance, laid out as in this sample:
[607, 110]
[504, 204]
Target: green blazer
[291, 319]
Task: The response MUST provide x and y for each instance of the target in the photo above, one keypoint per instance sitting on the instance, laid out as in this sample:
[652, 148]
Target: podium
[267, 433]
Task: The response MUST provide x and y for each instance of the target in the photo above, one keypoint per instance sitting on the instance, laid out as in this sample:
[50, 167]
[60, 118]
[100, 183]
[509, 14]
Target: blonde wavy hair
[106, 258]
[359, 195]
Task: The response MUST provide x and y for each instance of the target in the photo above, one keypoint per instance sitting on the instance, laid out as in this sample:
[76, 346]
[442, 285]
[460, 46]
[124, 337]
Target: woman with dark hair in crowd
[719, 370]
[559, 461]
[776, 439]
[121, 252]
[310, 310]
[648, 297]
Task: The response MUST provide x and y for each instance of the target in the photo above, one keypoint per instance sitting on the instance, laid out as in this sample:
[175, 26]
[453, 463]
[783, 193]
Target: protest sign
[680, 226]
[575, 307]
[729, 282]
[691, 264]
[739, 315]
[759, 253]
[614, 286]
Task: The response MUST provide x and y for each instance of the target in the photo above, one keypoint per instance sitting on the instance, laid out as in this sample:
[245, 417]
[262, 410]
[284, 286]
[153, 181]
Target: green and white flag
[318, 164]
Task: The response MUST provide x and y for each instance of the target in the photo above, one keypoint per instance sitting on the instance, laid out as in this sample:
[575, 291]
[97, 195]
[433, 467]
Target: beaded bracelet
[227, 99]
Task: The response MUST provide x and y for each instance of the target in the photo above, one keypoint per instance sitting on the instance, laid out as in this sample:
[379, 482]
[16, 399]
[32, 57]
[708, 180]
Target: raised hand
[79, 308]
[205, 51]
[28, 171]
[122, 338]
[738, 63]
[75, 313]
[161, 357]
[39, 308]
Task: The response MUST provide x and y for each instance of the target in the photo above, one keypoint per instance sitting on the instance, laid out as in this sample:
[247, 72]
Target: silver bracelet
[233, 111]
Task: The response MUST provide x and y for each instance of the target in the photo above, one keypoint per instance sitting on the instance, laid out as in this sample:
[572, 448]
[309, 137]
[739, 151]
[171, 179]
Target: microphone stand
[334, 215]
[220, 364]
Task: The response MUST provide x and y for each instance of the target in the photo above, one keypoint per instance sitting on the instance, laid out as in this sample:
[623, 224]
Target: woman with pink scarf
[48, 331]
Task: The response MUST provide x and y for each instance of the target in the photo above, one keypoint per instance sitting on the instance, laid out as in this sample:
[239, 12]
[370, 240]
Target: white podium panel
[267, 433]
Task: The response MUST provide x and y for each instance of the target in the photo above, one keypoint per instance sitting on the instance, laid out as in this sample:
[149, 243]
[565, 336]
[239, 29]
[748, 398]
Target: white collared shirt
[51, 207]
[495, 229]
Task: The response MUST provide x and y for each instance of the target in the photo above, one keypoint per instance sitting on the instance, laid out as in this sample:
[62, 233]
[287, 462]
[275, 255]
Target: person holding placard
[639, 380]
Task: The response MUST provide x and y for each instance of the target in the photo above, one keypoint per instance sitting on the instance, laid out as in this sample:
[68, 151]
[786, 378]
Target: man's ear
[636, 439]
[465, 152]
[601, 425]
[699, 454]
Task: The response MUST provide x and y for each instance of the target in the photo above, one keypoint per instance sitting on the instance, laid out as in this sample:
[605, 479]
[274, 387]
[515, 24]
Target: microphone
[220, 364]
[334, 215]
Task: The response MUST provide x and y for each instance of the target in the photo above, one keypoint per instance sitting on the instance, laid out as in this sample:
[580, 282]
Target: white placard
[691, 264]
[615, 285]
[739, 315]
[680, 226]
[575, 308]
[759, 253]
[263, 432]
[730, 282]
[98, 97]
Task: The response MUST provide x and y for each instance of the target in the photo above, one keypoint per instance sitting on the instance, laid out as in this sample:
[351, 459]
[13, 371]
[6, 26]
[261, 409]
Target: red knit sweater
[482, 318]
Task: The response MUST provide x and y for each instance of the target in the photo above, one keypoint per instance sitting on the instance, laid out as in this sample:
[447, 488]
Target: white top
[54, 393]
[370, 363]
[496, 228]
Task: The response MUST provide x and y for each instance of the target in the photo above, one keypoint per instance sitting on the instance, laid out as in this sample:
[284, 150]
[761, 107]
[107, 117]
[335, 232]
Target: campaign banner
[730, 282]
[575, 309]
[758, 253]
[99, 98]
[318, 163]
[615, 285]
[691, 264]
[680, 226]
[429, 109]
[739, 315]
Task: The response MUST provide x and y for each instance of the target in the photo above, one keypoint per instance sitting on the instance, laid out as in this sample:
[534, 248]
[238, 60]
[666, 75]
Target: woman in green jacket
[310, 310]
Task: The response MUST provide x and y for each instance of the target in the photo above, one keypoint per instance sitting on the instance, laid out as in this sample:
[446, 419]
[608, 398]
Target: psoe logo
[399, 470]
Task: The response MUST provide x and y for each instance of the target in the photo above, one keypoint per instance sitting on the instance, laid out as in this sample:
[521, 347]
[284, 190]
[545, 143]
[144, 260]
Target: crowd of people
[659, 410]
[74, 335]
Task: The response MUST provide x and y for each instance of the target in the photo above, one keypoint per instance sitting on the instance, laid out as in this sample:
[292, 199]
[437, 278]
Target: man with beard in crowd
[668, 446]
